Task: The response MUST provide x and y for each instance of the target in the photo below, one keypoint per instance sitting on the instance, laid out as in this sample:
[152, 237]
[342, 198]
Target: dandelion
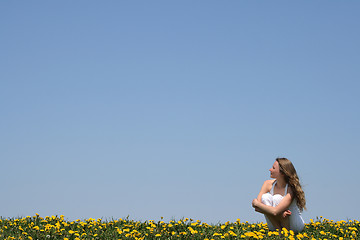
[24, 228]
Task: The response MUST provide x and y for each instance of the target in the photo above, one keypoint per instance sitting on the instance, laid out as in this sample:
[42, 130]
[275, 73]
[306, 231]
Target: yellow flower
[192, 230]
[250, 234]
[299, 236]
[232, 233]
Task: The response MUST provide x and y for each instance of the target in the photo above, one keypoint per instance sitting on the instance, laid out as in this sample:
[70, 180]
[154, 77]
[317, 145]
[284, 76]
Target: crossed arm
[281, 209]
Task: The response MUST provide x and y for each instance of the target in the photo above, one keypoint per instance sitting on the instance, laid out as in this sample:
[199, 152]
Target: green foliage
[56, 227]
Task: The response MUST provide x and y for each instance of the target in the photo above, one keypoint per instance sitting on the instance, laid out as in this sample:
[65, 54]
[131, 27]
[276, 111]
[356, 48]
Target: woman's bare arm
[266, 187]
[274, 211]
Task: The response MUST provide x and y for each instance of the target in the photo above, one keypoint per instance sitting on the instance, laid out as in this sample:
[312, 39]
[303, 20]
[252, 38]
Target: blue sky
[176, 108]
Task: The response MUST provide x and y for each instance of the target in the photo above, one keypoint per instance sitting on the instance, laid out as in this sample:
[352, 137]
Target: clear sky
[177, 109]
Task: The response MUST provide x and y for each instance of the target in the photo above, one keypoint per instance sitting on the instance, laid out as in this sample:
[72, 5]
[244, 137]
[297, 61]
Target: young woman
[282, 200]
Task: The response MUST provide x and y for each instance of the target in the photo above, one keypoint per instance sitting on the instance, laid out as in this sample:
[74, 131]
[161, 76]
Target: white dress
[295, 219]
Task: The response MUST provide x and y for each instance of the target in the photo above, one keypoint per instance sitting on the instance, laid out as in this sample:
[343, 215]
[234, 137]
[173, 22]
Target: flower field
[56, 227]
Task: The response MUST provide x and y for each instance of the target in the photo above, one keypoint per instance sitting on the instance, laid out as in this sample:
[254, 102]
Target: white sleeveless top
[296, 220]
[272, 189]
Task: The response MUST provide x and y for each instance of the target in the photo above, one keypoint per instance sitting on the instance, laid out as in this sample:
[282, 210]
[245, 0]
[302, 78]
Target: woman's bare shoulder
[290, 190]
[268, 184]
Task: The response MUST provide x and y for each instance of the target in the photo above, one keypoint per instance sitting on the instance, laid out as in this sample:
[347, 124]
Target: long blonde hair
[291, 177]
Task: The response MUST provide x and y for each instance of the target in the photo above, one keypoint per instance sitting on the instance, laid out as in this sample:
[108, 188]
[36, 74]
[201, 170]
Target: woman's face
[275, 170]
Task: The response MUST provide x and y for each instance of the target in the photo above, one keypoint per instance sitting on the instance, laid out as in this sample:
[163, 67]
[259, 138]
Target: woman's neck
[281, 182]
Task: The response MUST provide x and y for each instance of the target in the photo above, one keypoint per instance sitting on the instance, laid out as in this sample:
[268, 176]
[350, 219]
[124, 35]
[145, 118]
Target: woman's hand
[255, 203]
[286, 213]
